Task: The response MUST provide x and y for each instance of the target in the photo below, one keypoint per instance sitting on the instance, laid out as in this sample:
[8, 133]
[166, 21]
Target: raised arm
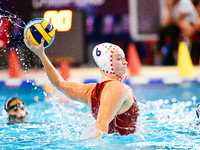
[75, 91]
[112, 98]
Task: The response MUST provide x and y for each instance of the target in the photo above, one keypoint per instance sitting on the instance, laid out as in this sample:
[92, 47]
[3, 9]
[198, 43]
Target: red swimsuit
[123, 124]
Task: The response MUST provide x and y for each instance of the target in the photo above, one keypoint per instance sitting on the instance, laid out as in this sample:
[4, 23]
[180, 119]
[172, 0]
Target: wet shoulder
[118, 87]
[117, 84]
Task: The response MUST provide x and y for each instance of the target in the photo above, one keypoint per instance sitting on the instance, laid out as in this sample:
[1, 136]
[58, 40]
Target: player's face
[119, 62]
[17, 111]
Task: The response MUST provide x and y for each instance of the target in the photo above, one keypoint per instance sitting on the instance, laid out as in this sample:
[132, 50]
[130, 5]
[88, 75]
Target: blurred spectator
[90, 25]
[180, 21]
[108, 24]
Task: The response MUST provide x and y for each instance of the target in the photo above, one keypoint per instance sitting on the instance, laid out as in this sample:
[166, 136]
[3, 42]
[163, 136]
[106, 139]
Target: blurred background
[93, 21]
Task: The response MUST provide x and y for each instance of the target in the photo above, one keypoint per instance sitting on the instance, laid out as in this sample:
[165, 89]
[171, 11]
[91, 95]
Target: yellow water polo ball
[38, 28]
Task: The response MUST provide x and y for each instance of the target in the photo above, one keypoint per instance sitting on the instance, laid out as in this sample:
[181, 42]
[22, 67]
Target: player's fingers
[30, 43]
[26, 41]
[42, 41]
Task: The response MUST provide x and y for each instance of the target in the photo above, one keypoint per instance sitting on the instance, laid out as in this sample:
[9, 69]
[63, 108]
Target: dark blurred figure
[179, 22]
[195, 48]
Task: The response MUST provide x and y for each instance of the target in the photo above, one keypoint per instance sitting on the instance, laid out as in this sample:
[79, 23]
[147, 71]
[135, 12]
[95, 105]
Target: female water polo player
[15, 110]
[111, 101]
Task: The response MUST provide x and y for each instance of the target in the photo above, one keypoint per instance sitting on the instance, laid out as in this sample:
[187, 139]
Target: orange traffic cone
[134, 64]
[13, 65]
[64, 70]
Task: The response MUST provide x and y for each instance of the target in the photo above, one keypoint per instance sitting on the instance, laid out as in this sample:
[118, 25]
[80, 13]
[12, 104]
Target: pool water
[167, 121]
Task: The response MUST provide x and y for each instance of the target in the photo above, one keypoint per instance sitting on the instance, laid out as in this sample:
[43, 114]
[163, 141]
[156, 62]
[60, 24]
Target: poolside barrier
[185, 66]
[64, 70]
[14, 68]
[134, 64]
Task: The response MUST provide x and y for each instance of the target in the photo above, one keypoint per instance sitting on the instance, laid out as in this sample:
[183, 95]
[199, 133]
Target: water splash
[5, 13]
[76, 124]
[15, 38]
[59, 114]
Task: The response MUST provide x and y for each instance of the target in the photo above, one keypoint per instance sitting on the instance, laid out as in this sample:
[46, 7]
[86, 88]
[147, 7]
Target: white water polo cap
[102, 55]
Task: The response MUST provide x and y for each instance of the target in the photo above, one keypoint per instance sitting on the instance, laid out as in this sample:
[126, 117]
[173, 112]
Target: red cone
[134, 63]
[65, 70]
[14, 68]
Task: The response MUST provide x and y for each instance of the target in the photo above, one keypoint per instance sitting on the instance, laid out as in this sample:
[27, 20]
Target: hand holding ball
[38, 28]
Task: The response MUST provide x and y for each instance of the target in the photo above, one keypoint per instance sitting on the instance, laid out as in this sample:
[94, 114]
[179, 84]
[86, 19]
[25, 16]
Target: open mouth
[21, 118]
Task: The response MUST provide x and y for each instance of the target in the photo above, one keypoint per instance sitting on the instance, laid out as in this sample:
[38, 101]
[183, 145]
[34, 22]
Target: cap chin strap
[122, 77]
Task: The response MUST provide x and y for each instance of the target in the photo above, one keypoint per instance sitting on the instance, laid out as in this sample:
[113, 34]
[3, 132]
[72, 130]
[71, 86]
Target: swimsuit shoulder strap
[95, 97]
